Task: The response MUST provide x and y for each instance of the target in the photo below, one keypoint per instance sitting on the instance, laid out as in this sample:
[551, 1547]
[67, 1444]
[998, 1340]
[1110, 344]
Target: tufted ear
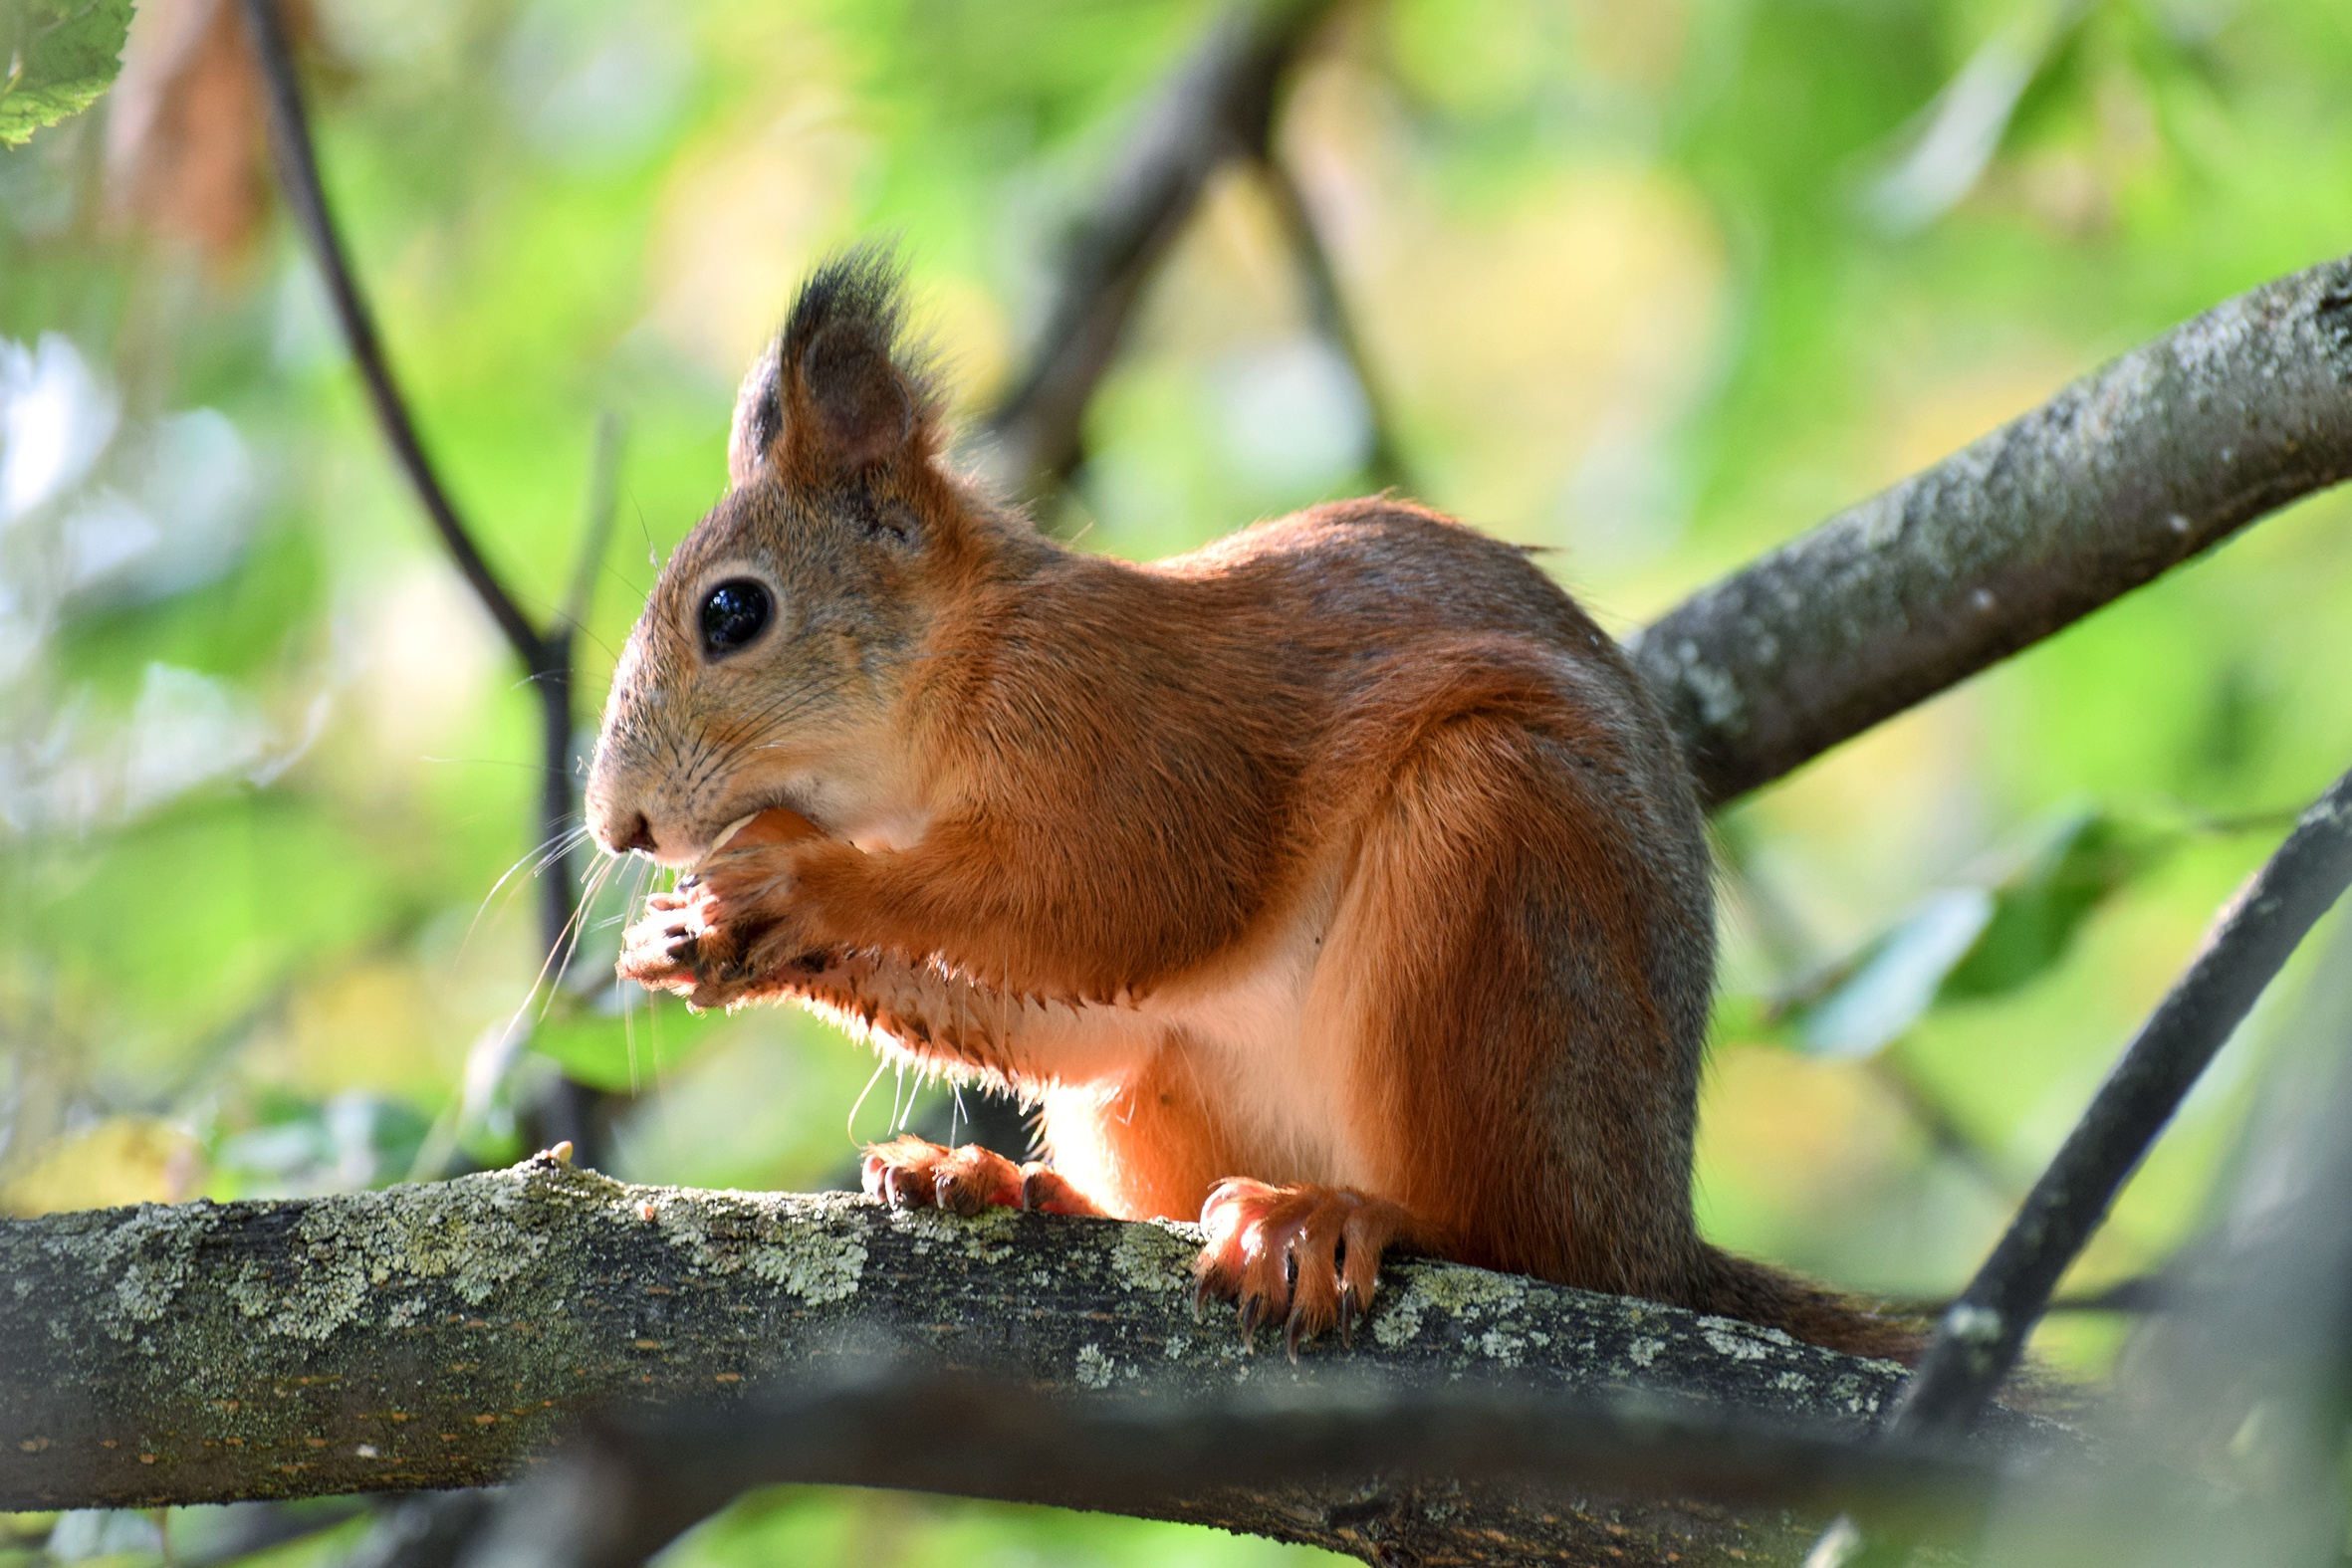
[835, 395]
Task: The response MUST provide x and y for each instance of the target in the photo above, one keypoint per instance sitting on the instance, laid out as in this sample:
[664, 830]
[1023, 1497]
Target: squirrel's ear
[861, 409]
[759, 415]
[834, 396]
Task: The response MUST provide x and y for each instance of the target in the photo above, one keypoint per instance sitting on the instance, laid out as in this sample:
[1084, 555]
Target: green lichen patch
[1461, 1294]
[1741, 1341]
[149, 1255]
[1152, 1259]
[1462, 1290]
[471, 1237]
[1094, 1367]
[986, 1238]
[817, 1267]
[813, 1247]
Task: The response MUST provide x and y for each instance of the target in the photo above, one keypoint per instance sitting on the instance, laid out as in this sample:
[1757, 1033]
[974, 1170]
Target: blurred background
[1657, 285]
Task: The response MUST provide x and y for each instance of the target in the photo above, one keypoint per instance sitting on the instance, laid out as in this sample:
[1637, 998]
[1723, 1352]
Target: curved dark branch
[1219, 106]
[298, 175]
[628, 1492]
[568, 1110]
[1978, 1340]
[2122, 476]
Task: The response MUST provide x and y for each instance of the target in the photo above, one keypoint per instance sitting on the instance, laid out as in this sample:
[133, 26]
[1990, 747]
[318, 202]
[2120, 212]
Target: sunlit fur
[1346, 855]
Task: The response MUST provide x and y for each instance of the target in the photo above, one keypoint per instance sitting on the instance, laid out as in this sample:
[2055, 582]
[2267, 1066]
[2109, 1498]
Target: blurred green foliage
[61, 53]
[1656, 285]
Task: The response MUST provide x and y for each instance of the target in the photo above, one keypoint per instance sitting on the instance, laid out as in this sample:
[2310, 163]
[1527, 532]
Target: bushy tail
[1757, 1293]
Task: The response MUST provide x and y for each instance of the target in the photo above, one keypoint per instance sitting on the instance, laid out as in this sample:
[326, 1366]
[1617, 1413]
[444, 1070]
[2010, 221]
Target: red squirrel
[1338, 883]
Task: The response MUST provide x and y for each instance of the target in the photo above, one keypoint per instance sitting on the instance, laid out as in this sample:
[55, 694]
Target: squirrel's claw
[1309, 1255]
[911, 1173]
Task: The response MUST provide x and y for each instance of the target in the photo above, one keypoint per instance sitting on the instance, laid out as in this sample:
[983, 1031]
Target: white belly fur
[1271, 1073]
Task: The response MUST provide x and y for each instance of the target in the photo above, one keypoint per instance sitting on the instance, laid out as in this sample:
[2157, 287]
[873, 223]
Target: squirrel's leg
[1512, 988]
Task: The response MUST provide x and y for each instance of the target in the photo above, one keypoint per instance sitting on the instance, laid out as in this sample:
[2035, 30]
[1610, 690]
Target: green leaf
[1898, 976]
[61, 55]
[1967, 943]
[2039, 909]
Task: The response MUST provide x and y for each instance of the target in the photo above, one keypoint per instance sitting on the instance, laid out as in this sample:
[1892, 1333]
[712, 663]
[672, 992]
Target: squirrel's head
[768, 667]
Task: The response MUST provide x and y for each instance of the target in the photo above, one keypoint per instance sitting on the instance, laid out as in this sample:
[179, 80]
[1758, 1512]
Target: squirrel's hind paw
[1309, 1255]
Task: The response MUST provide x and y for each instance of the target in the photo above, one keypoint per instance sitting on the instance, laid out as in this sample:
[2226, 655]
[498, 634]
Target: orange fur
[1338, 881]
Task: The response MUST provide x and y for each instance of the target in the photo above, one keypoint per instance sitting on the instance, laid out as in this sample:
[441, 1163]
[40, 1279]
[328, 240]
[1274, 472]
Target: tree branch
[298, 175]
[1219, 106]
[441, 1335]
[627, 1493]
[2122, 476]
[570, 1109]
[1384, 462]
[1978, 1340]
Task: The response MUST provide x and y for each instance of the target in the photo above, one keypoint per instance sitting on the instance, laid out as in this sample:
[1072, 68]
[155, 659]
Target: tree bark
[448, 1334]
[2121, 477]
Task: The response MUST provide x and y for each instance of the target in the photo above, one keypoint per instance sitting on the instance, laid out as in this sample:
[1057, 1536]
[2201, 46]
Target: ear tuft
[837, 393]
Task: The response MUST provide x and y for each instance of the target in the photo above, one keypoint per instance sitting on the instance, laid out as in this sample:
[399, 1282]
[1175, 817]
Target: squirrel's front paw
[913, 1173]
[678, 947]
[727, 929]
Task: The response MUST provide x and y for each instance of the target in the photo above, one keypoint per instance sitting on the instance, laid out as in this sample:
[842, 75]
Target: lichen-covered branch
[445, 1335]
[2121, 477]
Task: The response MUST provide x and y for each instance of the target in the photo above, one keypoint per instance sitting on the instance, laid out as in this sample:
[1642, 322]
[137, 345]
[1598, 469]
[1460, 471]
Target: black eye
[733, 613]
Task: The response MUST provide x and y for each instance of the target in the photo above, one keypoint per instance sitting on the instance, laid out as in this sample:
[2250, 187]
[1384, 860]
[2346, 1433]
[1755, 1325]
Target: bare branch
[1218, 107]
[569, 1111]
[1978, 1340]
[1384, 464]
[2122, 476]
[298, 174]
[598, 512]
[440, 1335]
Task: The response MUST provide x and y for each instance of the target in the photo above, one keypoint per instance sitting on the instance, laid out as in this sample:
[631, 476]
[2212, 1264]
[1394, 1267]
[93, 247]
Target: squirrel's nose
[638, 836]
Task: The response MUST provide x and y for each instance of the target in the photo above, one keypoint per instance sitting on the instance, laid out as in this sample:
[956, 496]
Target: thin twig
[569, 1111]
[596, 518]
[2136, 1293]
[1944, 1131]
[1978, 1340]
[553, 680]
[1217, 106]
[1384, 463]
[298, 171]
